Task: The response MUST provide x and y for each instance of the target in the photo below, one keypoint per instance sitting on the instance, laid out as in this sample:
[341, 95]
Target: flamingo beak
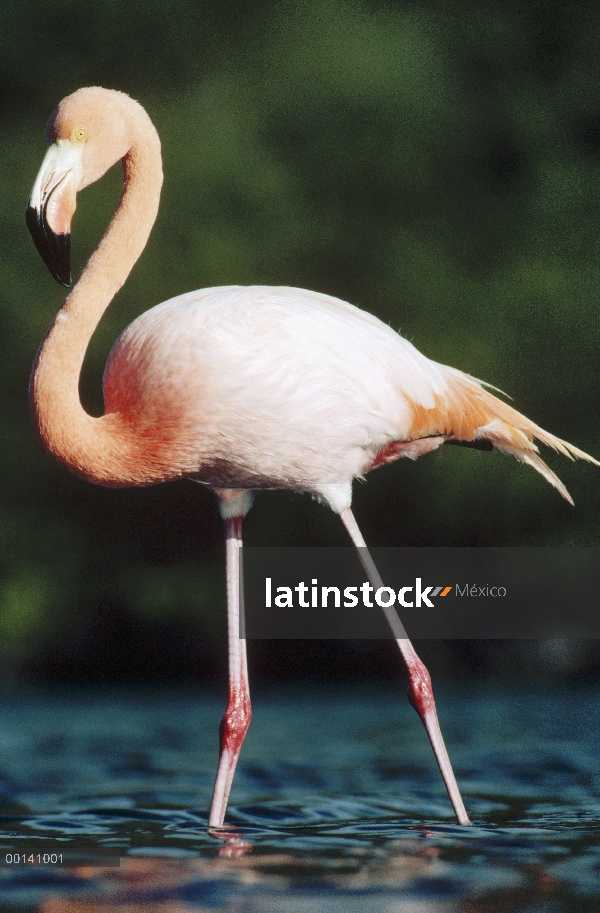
[51, 207]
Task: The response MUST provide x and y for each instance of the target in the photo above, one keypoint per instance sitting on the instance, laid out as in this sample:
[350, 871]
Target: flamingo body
[272, 387]
[275, 387]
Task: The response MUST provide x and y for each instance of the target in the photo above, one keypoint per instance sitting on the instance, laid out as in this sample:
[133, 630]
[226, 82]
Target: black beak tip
[55, 250]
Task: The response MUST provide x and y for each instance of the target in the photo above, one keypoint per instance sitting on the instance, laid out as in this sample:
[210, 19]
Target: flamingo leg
[420, 691]
[238, 714]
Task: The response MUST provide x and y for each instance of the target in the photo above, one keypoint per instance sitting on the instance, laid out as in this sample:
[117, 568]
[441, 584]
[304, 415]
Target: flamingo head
[88, 132]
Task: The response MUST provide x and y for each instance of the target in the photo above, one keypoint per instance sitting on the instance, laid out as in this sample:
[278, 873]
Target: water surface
[337, 802]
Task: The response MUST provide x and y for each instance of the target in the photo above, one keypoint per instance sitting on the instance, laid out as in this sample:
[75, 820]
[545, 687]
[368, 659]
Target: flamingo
[240, 388]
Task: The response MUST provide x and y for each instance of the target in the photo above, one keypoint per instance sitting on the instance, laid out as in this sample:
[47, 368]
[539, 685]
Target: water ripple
[337, 803]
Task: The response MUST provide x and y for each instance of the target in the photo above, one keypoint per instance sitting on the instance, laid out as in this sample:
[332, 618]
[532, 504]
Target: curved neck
[99, 449]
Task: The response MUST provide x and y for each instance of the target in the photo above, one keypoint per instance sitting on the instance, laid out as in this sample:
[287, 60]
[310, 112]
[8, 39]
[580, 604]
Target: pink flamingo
[239, 388]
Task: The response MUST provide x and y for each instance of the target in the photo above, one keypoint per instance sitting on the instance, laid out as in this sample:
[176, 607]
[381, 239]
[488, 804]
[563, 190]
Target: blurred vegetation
[435, 163]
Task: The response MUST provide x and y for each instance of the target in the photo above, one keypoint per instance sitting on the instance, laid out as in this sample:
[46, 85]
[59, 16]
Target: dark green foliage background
[435, 163]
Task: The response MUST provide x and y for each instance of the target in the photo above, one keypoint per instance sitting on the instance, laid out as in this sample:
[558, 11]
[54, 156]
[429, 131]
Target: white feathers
[282, 387]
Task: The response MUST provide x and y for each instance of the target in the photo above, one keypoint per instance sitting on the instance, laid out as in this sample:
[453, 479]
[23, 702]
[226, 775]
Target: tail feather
[536, 461]
[468, 412]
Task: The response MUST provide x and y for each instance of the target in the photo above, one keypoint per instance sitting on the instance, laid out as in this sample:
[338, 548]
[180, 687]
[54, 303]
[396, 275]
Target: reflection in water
[333, 810]
[158, 884]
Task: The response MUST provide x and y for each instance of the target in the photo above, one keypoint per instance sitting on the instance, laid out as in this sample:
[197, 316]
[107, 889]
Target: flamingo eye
[80, 135]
